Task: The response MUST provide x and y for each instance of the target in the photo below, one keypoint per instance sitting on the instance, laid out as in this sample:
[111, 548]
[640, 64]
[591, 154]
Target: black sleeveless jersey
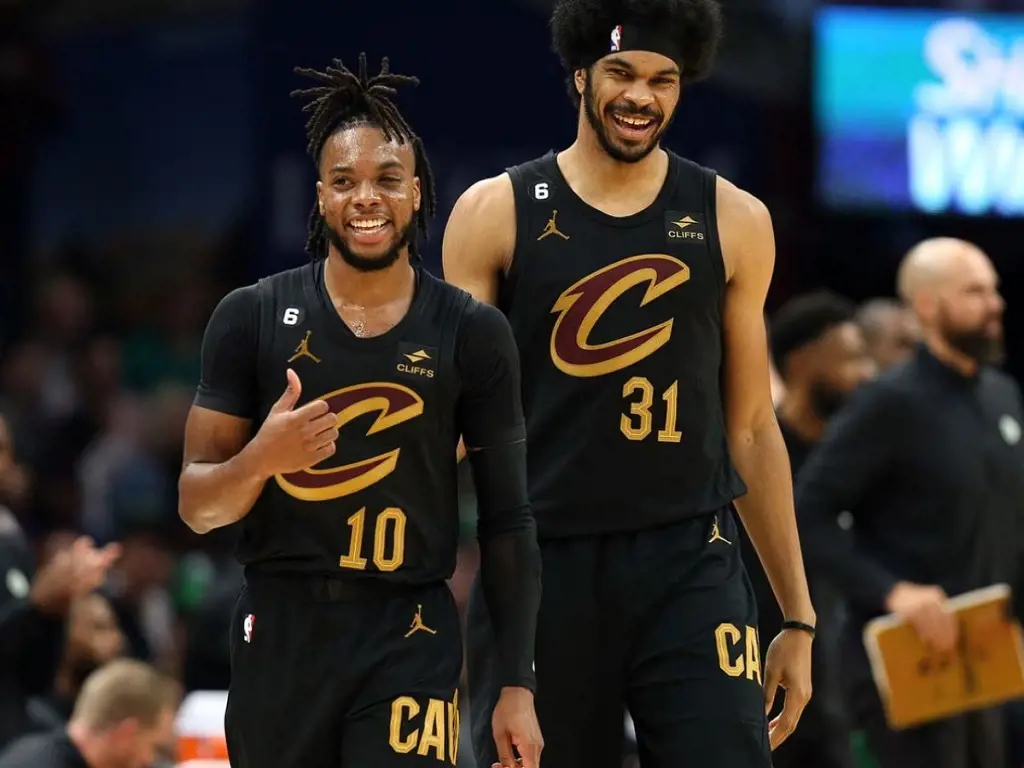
[385, 505]
[619, 327]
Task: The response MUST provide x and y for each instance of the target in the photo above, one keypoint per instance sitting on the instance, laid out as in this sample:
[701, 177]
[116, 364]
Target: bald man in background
[890, 330]
[927, 459]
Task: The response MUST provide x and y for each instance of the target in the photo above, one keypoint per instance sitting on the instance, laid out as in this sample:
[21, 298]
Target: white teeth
[639, 122]
[368, 223]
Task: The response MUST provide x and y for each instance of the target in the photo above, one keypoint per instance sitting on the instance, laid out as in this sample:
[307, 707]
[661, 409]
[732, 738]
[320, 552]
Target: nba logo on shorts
[247, 624]
[616, 39]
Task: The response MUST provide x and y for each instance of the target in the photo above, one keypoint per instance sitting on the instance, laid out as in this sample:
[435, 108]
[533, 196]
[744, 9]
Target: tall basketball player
[635, 282]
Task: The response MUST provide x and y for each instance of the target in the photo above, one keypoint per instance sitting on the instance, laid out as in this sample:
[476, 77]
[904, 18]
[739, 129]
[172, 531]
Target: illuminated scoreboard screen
[920, 111]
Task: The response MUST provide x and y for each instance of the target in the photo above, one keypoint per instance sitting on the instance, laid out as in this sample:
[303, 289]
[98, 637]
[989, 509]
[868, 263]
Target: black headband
[628, 37]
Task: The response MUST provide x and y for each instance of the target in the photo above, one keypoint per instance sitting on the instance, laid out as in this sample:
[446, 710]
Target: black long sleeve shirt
[930, 463]
[30, 642]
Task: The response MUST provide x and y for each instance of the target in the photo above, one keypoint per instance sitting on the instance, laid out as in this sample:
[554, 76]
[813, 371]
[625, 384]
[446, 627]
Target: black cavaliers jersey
[385, 505]
[619, 327]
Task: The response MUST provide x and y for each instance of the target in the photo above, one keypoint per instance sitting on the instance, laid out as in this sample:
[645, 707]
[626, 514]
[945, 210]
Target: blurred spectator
[124, 718]
[890, 329]
[927, 459]
[21, 386]
[138, 587]
[64, 318]
[821, 356]
[93, 392]
[93, 639]
[32, 607]
[168, 351]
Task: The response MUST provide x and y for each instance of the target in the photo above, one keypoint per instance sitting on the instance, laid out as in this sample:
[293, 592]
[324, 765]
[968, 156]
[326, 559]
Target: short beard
[826, 401]
[974, 342]
[977, 345]
[369, 263]
[613, 151]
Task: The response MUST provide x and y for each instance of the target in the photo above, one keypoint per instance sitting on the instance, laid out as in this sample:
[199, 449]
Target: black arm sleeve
[861, 443]
[490, 417]
[228, 379]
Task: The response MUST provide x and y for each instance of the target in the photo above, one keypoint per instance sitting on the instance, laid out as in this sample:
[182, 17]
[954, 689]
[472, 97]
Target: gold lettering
[388, 551]
[642, 410]
[453, 729]
[433, 730]
[403, 709]
[637, 425]
[439, 737]
[753, 655]
[726, 637]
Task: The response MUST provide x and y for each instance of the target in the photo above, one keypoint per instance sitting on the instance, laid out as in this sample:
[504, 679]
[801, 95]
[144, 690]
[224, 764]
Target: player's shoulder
[474, 319]
[287, 282]
[456, 303]
[738, 207]
[496, 195]
[486, 200]
[238, 308]
[745, 232]
[243, 306]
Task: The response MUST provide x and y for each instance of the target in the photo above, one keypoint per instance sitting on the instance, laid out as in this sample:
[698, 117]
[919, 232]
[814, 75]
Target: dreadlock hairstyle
[345, 100]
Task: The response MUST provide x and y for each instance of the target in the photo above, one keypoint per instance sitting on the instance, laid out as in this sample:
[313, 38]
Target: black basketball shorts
[662, 622]
[329, 675]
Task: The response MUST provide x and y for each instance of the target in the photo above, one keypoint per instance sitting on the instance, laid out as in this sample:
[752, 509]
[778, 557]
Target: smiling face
[368, 195]
[629, 100]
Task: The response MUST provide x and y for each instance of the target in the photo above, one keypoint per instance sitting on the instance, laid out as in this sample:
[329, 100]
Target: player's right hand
[516, 729]
[293, 439]
[926, 609]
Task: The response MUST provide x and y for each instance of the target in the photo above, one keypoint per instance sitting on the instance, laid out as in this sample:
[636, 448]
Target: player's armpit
[480, 238]
[218, 484]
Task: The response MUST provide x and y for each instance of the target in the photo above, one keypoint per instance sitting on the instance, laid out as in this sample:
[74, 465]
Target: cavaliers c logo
[581, 305]
[394, 405]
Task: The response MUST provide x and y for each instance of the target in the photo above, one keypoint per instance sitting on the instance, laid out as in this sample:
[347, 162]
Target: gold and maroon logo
[393, 404]
[581, 305]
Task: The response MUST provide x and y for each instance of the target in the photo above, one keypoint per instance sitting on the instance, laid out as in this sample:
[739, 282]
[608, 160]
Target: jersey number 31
[637, 424]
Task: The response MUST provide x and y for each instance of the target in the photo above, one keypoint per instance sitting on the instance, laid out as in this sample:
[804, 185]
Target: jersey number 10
[636, 425]
[388, 541]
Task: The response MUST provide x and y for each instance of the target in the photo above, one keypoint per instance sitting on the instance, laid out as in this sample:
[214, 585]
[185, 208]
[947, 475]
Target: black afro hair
[581, 27]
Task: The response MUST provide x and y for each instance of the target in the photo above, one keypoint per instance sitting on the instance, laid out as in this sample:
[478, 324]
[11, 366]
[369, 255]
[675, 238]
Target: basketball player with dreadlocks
[635, 283]
[345, 643]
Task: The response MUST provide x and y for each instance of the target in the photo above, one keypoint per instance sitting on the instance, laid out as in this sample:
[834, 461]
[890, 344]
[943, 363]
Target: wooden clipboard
[986, 669]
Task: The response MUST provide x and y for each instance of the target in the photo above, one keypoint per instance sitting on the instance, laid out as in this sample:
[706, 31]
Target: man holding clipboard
[929, 461]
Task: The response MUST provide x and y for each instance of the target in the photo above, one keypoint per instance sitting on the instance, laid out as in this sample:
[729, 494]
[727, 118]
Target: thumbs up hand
[292, 439]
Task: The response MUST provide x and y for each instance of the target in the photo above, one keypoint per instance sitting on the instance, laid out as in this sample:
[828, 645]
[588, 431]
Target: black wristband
[799, 626]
